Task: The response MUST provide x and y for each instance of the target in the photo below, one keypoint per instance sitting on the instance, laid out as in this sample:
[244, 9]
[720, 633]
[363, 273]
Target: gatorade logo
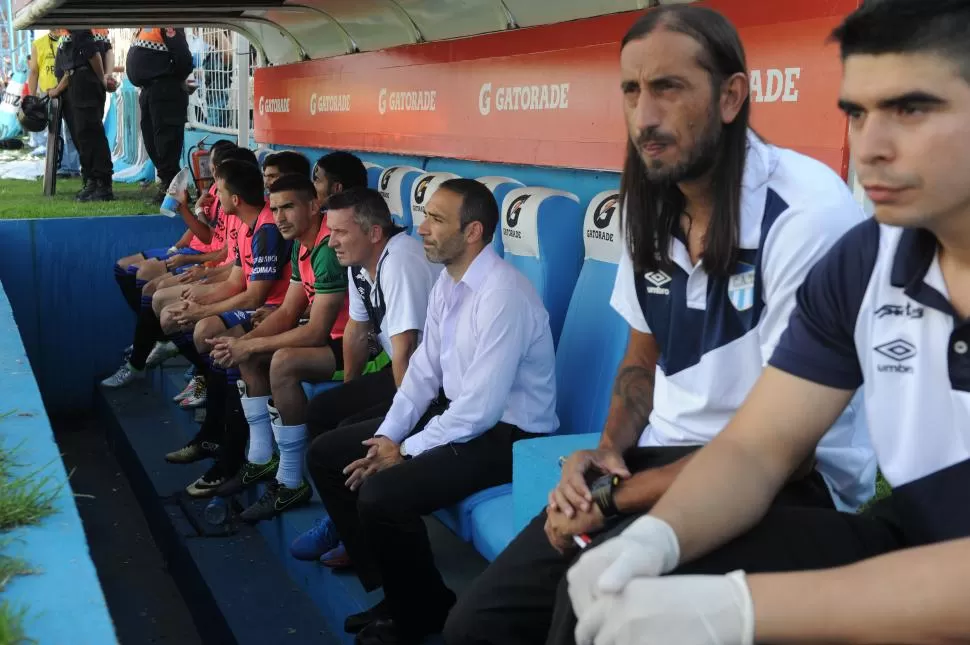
[602, 217]
[774, 85]
[414, 101]
[512, 217]
[422, 188]
[523, 98]
[386, 177]
[274, 106]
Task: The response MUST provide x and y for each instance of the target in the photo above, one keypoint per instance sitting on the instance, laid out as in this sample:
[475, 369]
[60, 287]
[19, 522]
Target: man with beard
[482, 378]
[720, 229]
[888, 306]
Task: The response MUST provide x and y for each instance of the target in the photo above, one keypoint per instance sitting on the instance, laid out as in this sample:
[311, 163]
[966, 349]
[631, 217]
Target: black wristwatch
[602, 490]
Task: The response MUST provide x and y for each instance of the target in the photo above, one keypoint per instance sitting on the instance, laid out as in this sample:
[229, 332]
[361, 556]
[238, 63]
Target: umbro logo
[899, 351]
[657, 279]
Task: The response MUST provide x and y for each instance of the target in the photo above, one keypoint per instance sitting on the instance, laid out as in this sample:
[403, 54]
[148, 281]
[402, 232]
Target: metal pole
[242, 89]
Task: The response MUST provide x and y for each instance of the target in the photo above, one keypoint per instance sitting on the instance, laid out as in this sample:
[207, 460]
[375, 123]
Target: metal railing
[215, 105]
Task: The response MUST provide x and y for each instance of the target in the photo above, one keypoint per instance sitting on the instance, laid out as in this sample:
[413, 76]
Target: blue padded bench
[590, 349]
[394, 186]
[500, 187]
[541, 233]
[422, 188]
[374, 173]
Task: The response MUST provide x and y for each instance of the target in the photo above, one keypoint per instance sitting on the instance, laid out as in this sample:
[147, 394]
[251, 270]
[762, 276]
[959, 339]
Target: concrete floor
[143, 600]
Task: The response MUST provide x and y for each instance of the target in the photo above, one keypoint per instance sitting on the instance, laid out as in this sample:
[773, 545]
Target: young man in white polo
[887, 307]
[390, 281]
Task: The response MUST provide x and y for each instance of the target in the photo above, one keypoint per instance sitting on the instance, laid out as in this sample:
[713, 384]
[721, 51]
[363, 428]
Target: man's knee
[167, 321]
[283, 366]
[204, 330]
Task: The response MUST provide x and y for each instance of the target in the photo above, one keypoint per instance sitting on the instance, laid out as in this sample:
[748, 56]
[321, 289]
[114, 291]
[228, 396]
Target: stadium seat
[422, 189]
[542, 236]
[394, 186]
[542, 230]
[590, 350]
[373, 174]
[500, 187]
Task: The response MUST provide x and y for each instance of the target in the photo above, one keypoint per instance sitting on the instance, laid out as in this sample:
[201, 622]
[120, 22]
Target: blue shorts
[164, 254]
[237, 317]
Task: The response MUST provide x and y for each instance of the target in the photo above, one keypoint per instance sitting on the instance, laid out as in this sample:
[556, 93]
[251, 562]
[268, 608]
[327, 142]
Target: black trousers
[523, 596]
[86, 96]
[366, 397]
[164, 106]
[381, 524]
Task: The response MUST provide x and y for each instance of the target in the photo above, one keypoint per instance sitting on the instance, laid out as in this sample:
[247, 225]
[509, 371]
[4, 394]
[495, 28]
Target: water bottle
[217, 511]
[170, 205]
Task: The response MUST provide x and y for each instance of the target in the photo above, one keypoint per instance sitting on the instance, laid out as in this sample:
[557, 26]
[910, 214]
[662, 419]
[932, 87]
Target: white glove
[648, 547]
[687, 610]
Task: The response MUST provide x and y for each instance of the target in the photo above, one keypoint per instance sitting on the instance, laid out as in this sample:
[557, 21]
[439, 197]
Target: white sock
[260, 430]
[292, 443]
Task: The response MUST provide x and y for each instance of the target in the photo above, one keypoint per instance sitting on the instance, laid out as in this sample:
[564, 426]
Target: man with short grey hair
[390, 281]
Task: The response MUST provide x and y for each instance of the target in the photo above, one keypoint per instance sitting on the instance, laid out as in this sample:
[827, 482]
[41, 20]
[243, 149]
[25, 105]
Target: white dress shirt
[487, 342]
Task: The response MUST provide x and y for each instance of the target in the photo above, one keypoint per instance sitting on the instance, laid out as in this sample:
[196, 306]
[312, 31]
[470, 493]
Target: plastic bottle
[217, 511]
[170, 205]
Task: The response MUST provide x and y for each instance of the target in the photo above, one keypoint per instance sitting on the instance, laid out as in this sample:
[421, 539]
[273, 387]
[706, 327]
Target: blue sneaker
[319, 540]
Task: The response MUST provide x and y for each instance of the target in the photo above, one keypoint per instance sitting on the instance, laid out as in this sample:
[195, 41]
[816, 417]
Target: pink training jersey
[263, 254]
[216, 220]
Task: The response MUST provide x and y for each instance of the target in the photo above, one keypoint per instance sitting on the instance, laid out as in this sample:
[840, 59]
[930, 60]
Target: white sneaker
[126, 375]
[160, 353]
[189, 389]
[196, 399]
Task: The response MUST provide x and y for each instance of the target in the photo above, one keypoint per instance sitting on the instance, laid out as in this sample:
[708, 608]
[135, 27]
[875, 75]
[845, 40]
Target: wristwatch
[602, 490]
[404, 451]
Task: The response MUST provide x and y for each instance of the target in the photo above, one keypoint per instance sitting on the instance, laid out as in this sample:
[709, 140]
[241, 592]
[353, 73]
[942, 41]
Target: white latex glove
[647, 548]
[687, 610]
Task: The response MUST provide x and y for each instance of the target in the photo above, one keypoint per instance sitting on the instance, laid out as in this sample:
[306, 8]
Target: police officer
[81, 66]
[158, 62]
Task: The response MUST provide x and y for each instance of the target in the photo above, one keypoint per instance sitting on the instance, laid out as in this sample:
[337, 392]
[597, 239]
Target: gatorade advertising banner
[521, 97]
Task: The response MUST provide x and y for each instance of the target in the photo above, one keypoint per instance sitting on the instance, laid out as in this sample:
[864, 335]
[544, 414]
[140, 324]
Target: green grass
[21, 199]
[25, 499]
[12, 625]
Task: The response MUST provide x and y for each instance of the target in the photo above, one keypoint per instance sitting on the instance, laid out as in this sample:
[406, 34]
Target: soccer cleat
[196, 399]
[206, 485]
[317, 541]
[192, 452]
[189, 389]
[126, 375]
[160, 353]
[336, 558]
[275, 500]
[249, 475]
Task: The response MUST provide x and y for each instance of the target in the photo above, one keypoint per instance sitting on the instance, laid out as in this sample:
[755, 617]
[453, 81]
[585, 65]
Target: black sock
[126, 282]
[236, 428]
[186, 346]
[148, 331]
[213, 428]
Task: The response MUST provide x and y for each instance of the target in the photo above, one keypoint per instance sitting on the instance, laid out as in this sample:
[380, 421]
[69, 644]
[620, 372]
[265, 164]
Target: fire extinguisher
[199, 166]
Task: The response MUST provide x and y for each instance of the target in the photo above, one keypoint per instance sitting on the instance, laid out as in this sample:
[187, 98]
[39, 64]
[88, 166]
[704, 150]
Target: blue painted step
[233, 585]
[335, 595]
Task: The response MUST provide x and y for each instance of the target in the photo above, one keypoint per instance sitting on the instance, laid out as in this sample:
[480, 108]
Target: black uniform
[84, 108]
[159, 61]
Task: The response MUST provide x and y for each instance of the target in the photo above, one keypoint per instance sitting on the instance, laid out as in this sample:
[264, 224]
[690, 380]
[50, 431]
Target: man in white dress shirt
[482, 378]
